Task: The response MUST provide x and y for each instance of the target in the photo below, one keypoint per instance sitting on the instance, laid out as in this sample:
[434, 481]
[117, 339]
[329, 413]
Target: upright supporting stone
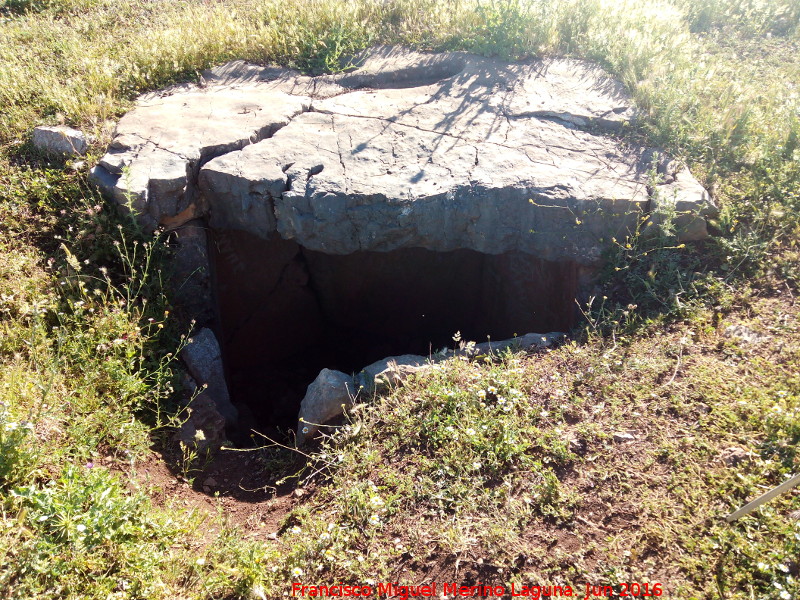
[203, 358]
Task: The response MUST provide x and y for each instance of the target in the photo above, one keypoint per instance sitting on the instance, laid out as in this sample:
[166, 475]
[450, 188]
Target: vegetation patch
[610, 459]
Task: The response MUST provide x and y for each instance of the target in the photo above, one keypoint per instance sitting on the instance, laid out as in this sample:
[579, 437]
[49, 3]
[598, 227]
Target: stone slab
[438, 151]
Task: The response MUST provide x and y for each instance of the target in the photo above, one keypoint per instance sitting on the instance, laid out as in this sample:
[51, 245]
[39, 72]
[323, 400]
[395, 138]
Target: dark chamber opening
[286, 312]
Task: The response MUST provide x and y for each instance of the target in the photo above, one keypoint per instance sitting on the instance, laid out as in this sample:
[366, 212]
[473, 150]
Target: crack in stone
[455, 137]
[339, 149]
[156, 145]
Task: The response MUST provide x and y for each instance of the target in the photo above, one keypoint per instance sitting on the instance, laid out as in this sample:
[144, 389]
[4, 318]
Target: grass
[500, 471]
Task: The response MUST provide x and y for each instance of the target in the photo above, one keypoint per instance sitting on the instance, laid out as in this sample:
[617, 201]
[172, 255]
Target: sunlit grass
[87, 342]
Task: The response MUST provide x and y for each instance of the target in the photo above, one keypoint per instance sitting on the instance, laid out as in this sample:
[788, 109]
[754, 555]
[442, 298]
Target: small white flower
[376, 502]
[481, 394]
[297, 572]
[470, 431]
[476, 465]
[200, 561]
[324, 537]
[375, 520]
[81, 527]
[785, 595]
[295, 530]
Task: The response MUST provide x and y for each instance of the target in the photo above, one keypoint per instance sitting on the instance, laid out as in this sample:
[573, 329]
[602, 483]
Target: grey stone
[391, 372]
[325, 399]
[204, 429]
[190, 276]
[437, 151]
[681, 204]
[745, 334]
[60, 140]
[203, 358]
[152, 164]
[733, 456]
[529, 341]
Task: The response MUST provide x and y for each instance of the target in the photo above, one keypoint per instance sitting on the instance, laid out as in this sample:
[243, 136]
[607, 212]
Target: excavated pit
[286, 312]
[335, 221]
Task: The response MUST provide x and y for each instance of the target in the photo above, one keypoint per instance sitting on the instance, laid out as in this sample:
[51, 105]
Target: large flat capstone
[443, 152]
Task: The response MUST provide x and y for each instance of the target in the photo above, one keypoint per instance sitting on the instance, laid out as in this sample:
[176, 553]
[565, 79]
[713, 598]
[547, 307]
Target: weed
[499, 462]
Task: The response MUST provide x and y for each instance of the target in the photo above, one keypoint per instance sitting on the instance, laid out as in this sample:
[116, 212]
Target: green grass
[441, 470]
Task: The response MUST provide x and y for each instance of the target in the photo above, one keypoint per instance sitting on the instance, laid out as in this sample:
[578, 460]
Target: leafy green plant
[17, 455]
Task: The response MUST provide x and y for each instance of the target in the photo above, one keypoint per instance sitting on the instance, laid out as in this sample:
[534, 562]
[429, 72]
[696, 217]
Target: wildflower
[785, 595]
[297, 572]
[295, 530]
[324, 537]
[481, 394]
[476, 465]
[81, 528]
[376, 502]
[492, 390]
[200, 561]
[470, 431]
[329, 554]
[305, 429]
[375, 520]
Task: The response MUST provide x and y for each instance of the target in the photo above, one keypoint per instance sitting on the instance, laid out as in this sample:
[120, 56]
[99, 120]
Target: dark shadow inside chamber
[286, 312]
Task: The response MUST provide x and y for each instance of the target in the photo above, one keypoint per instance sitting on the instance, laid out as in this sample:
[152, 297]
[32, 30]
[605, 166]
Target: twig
[677, 366]
[776, 491]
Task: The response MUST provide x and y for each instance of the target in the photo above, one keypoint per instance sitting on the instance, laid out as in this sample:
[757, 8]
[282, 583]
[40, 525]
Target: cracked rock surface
[441, 151]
